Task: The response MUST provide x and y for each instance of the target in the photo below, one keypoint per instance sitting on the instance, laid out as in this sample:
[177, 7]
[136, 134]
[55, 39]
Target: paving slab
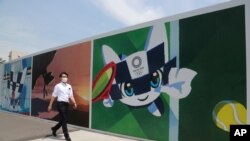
[15, 127]
[83, 135]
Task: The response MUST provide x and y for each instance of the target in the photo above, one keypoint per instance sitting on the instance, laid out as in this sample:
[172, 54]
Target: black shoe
[53, 132]
[68, 139]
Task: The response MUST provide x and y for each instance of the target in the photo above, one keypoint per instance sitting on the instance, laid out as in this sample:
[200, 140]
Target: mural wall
[174, 80]
[183, 79]
[75, 60]
[147, 83]
[16, 84]
[214, 45]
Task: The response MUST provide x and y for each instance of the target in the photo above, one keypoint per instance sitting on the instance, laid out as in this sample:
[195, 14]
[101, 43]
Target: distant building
[16, 54]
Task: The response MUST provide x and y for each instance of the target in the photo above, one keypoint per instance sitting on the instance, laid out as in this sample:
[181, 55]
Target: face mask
[64, 79]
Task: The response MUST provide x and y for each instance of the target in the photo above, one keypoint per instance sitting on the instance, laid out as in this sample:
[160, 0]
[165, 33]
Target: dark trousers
[63, 113]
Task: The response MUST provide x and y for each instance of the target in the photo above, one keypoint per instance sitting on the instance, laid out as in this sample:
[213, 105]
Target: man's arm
[51, 103]
[73, 101]
[53, 97]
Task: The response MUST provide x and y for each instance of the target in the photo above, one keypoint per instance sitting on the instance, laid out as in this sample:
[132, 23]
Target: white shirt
[63, 92]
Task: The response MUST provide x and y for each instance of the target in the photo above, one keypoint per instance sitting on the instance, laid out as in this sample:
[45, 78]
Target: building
[16, 54]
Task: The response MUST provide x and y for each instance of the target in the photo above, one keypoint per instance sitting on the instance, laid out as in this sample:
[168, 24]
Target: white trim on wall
[247, 25]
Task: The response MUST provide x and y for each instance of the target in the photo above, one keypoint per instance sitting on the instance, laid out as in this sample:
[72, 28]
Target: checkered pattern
[15, 85]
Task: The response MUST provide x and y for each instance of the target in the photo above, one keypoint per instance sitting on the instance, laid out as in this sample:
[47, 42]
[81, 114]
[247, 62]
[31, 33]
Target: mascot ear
[109, 55]
[156, 36]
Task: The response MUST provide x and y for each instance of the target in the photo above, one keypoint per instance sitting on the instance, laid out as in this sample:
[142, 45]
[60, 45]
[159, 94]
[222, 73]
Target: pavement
[15, 127]
[82, 135]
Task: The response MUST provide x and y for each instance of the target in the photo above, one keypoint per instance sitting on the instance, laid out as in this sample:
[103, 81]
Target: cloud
[39, 26]
[131, 12]
[180, 6]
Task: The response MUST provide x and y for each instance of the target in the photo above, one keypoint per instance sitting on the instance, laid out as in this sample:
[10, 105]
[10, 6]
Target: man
[63, 92]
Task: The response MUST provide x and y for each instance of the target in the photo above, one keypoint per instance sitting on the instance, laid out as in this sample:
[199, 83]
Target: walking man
[63, 93]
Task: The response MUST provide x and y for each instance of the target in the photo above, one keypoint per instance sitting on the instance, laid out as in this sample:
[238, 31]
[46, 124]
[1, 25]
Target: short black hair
[63, 73]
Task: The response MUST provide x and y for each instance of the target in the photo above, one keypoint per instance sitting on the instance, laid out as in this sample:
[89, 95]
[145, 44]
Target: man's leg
[64, 119]
[59, 124]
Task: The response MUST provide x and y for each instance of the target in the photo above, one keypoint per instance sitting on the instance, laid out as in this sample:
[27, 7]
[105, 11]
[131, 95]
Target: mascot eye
[127, 89]
[155, 79]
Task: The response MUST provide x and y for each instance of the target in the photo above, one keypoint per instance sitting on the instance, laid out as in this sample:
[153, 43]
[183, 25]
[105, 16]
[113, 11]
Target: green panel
[120, 118]
[124, 43]
[213, 45]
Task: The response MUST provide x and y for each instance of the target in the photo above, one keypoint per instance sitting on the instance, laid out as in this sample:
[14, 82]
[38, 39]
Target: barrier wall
[178, 78]
[75, 60]
[16, 86]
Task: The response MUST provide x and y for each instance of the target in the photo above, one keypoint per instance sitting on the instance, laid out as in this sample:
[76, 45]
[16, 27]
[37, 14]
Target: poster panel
[75, 60]
[140, 100]
[16, 86]
[214, 45]
[178, 80]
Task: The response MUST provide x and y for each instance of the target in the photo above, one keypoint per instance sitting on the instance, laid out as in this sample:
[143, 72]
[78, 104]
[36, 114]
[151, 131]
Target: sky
[35, 25]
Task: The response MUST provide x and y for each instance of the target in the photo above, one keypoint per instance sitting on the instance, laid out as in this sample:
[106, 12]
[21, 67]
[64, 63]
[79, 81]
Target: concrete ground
[82, 135]
[15, 127]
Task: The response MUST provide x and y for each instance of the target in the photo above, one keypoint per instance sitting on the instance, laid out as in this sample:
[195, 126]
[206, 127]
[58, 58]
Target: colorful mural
[16, 86]
[176, 80]
[75, 60]
[214, 45]
[151, 70]
[145, 77]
